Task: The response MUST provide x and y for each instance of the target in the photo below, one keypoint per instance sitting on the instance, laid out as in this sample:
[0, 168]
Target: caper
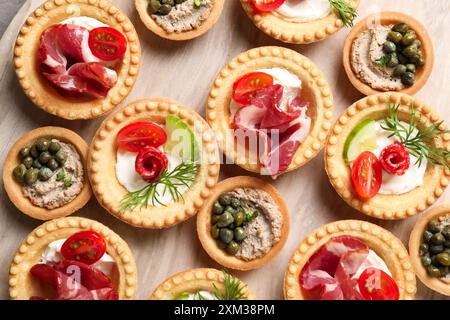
[410, 51]
[446, 232]
[393, 60]
[33, 151]
[434, 261]
[423, 249]
[435, 249]
[42, 144]
[61, 157]
[31, 176]
[417, 59]
[444, 271]
[235, 203]
[154, 6]
[215, 232]
[389, 47]
[438, 238]
[19, 172]
[232, 248]
[417, 43]
[239, 234]
[44, 157]
[411, 67]
[433, 271]
[408, 38]
[179, 1]
[426, 260]
[24, 152]
[443, 258]
[447, 244]
[238, 218]
[54, 147]
[53, 164]
[165, 9]
[427, 236]
[395, 37]
[225, 199]
[225, 219]
[230, 209]
[226, 235]
[171, 2]
[215, 218]
[37, 164]
[217, 208]
[402, 59]
[447, 250]
[221, 245]
[28, 162]
[45, 174]
[401, 28]
[408, 79]
[400, 70]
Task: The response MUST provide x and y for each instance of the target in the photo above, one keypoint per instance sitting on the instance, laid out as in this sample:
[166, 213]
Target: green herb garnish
[383, 60]
[418, 143]
[346, 12]
[197, 4]
[62, 176]
[233, 288]
[249, 214]
[182, 175]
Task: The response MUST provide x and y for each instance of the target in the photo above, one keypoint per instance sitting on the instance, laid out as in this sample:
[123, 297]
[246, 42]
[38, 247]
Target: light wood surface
[184, 72]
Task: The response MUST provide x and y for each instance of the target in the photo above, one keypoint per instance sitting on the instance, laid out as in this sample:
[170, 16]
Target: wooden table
[167, 67]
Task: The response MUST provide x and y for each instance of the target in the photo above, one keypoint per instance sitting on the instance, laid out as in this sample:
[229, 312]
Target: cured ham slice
[347, 268]
[91, 278]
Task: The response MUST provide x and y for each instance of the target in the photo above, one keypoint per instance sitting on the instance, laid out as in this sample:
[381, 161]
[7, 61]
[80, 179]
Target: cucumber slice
[181, 140]
[362, 138]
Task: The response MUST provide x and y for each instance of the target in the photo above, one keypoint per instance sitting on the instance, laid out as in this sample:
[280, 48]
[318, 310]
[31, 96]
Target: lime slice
[362, 138]
[180, 140]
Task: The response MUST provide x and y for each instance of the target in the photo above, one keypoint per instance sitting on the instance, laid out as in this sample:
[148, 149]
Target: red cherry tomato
[139, 135]
[85, 246]
[366, 175]
[375, 284]
[107, 43]
[151, 163]
[245, 87]
[266, 5]
[395, 159]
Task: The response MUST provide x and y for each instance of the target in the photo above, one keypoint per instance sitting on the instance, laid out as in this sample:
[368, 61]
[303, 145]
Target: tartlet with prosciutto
[350, 260]
[73, 259]
[153, 163]
[77, 60]
[272, 110]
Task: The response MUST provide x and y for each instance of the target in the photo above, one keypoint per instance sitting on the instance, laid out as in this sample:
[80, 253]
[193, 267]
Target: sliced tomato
[375, 284]
[266, 5]
[107, 43]
[151, 163]
[85, 246]
[244, 88]
[366, 175]
[138, 135]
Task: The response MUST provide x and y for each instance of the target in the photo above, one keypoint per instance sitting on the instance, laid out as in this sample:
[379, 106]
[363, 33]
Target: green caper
[226, 235]
[33, 151]
[28, 162]
[411, 67]
[45, 174]
[423, 249]
[24, 152]
[171, 2]
[165, 9]
[395, 37]
[426, 260]
[44, 157]
[19, 172]
[417, 43]
[217, 208]
[215, 218]
[215, 232]
[408, 79]
[31, 176]
[438, 238]
[408, 38]
[444, 271]
[53, 164]
[401, 28]
[235, 203]
[225, 219]
[427, 236]
[436, 249]
[239, 234]
[54, 147]
[446, 232]
[225, 199]
[154, 6]
[399, 70]
[238, 218]
[444, 259]
[37, 164]
[402, 59]
[231, 226]
[433, 271]
[221, 245]
[179, 1]
[418, 60]
[61, 157]
[230, 209]
[447, 244]
[42, 144]
[409, 51]
[393, 60]
[233, 248]
[389, 47]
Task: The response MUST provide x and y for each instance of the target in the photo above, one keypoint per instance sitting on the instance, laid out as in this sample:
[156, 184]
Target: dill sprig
[346, 12]
[182, 175]
[418, 142]
[233, 288]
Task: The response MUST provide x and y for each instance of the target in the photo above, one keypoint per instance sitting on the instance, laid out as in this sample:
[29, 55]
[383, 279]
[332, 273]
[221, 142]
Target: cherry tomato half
[245, 87]
[151, 163]
[138, 135]
[375, 284]
[107, 43]
[266, 5]
[85, 246]
[366, 175]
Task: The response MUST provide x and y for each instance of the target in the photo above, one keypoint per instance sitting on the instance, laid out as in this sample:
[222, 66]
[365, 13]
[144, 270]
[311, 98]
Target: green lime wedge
[362, 138]
[181, 140]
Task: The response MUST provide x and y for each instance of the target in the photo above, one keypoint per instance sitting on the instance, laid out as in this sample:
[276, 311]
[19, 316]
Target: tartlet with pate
[350, 260]
[303, 21]
[429, 248]
[388, 51]
[244, 224]
[153, 163]
[73, 259]
[202, 284]
[179, 20]
[77, 59]
[272, 109]
[388, 156]
[45, 173]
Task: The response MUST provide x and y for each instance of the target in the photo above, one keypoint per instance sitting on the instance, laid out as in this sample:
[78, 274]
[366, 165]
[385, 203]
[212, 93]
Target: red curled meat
[395, 159]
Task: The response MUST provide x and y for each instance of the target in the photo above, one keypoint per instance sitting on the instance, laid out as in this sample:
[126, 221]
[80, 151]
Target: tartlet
[191, 281]
[150, 23]
[40, 91]
[298, 33]
[21, 284]
[384, 243]
[13, 188]
[388, 207]
[387, 18]
[314, 82]
[415, 240]
[204, 224]
[102, 159]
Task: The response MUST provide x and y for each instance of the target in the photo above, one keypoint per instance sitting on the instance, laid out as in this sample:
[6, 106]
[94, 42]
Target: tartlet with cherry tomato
[153, 163]
[350, 260]
[388, 156]
[301, 22]
[77, 60]
[73, 259]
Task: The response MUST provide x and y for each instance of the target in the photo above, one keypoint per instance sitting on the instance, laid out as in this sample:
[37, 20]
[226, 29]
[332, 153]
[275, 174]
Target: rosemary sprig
[418, 142]
[234, 289]
[182, 175]
[346, 12]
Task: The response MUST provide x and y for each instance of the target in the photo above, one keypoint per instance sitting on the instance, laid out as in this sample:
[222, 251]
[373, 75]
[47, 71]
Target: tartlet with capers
[44, 173]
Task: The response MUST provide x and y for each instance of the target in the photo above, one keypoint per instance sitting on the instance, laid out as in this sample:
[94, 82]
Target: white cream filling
[304, 10]
[373, 260]
[206, 295]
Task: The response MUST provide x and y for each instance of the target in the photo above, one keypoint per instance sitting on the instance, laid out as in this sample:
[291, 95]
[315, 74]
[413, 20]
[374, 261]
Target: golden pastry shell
[102, 159]
[217, 106]
[39, 90]
[204, 224]
[388, 207]
[21, 283]
[14, 189]
[384, 243]
[191, 281]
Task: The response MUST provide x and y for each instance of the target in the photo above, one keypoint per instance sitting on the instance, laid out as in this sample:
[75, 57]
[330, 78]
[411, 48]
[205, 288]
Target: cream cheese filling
[303, 10]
